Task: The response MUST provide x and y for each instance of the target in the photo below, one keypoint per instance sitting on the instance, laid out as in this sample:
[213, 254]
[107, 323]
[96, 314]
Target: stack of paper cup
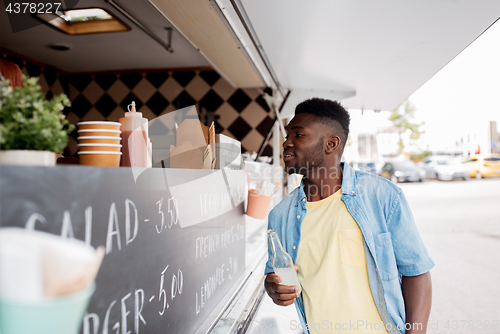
[99, 143]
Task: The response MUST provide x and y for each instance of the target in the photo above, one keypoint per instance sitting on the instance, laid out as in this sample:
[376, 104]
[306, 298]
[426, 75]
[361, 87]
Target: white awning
[373, 53]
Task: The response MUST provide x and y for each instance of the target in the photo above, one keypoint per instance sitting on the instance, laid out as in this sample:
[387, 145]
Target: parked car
[365, 166]
[483, 166]
[444, 168]
[403, 171]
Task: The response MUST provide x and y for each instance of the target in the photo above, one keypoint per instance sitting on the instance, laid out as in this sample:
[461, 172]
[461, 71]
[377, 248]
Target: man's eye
[299, 135]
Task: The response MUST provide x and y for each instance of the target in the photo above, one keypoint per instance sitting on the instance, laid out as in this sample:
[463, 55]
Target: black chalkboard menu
[174, 239]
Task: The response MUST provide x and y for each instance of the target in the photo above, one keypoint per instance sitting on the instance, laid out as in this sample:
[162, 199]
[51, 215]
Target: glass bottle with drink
[282, 262]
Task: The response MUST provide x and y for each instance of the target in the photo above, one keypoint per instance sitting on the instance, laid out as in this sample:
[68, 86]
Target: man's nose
[287, 143]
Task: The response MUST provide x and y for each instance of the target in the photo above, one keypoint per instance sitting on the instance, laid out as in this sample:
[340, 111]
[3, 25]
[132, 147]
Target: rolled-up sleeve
[412, 258]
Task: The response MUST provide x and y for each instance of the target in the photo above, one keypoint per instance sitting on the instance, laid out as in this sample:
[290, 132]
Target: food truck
[179, 254]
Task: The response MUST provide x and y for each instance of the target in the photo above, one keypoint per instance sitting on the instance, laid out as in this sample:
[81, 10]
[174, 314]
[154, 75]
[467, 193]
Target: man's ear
[333, 144]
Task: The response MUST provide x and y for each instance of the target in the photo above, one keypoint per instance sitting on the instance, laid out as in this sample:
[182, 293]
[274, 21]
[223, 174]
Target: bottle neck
[280, 258]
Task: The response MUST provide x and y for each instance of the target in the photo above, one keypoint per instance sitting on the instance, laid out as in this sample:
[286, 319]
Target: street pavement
[459, 222]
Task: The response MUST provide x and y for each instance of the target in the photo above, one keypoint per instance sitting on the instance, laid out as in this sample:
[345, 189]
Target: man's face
[304, 146]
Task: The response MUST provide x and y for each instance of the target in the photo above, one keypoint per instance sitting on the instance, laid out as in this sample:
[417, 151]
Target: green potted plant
[32, 129]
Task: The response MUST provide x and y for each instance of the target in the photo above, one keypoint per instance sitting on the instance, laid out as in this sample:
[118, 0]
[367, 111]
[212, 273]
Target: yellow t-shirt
[333, 273]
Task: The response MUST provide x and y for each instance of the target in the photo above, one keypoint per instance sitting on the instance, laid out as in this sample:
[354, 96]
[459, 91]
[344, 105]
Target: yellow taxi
[484, 165]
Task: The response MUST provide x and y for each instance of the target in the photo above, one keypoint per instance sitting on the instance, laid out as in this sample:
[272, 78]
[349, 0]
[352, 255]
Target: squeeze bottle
[134, 138]
[282, 262]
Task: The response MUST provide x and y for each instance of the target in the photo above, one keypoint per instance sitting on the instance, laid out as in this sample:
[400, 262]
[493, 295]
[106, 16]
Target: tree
[403, 119]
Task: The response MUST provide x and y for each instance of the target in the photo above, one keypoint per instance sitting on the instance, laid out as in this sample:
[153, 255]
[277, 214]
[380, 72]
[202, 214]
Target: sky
[461, 98]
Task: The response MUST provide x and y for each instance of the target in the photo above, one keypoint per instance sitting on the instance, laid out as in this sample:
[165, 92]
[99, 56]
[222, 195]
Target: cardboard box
[186, 156]
[193, 146]
[192, 131]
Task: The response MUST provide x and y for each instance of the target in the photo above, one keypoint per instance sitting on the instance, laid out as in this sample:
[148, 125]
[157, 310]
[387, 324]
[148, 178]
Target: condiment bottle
[282, 262]
[134, 138]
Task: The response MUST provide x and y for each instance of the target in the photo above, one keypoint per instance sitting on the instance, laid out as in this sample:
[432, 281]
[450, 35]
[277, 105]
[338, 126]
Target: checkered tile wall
[239, 113]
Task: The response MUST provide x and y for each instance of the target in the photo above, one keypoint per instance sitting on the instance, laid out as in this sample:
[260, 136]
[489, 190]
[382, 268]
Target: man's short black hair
[328, 112]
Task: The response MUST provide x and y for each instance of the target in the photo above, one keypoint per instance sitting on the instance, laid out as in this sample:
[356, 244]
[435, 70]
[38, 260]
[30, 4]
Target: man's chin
[291, 170]
[294, 170]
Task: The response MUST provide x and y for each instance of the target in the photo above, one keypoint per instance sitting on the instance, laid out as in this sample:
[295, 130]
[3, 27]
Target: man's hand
[282, 295]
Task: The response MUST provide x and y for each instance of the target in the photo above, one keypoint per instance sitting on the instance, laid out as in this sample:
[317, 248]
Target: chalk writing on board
[209, 287]
[173, 214]
[212, 282]
[91, 321]
[163, 293]
[113, 231]
[207, 245]
[67, 227]
[171, 286]
[233, 267]
[239, 196]
[142, 231]
[214, 201]
[113, 236]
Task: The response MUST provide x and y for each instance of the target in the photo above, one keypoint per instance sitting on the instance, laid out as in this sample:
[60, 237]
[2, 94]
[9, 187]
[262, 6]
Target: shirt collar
[348, 182]
[348, 179]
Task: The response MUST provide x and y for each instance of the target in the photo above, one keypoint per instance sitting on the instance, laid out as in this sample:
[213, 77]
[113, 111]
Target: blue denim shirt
[393, 246]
